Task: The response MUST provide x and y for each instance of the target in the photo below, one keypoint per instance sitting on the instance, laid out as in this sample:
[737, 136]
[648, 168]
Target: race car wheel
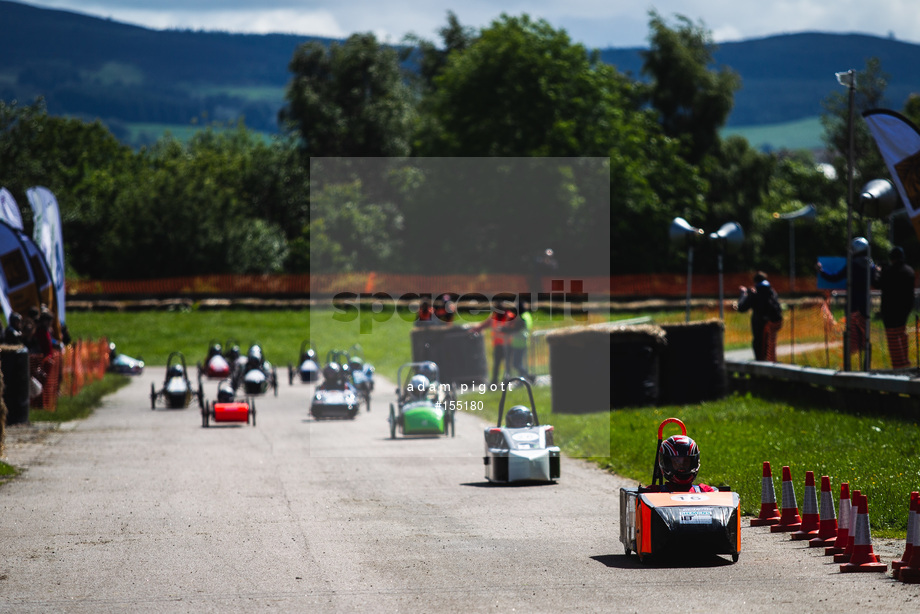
[735, 557]
[153, 396]
[367, 400]
[453, 425]
[627, 551]
[290, 374]
[252, 411]
[392, 422]
[275, 380]
[204, 414]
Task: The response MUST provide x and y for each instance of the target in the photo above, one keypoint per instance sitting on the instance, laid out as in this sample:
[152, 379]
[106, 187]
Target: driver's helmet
[332, 372]
[859, 246]
[310, 354]
[225, 392]
[679, 459]
[518, 417]
[214, 350]
[233, 353]
[355, 363]
[175, 371]
[419, 386]
[428, 370]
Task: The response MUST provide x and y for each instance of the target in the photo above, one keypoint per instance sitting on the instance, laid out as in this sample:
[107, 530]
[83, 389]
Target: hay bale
[693, 364]
[14, 369]
[635, 353]
[579, 364]
[459, 352]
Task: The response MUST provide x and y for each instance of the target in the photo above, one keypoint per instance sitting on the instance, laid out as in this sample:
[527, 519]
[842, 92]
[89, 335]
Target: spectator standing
[12, 335]
[498, 321]
[520, 337]
[896, 280]
[858, 317]
[766, 316]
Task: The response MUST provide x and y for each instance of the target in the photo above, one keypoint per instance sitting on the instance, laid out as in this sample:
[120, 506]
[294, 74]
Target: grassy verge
[83, 404]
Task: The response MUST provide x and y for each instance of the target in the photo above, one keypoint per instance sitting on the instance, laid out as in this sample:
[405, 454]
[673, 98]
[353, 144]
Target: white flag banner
[898, 140]
[9, 210]
[47, 234]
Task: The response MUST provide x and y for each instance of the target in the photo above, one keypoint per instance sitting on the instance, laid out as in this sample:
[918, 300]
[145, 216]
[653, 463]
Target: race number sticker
[702, 515]
[689, 498]
[525, 437]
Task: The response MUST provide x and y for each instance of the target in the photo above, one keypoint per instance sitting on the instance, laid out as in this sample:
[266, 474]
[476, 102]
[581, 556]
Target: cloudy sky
[596, 23]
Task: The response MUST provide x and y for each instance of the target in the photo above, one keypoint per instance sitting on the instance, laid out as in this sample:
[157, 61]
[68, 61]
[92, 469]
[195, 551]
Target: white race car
[522, 450]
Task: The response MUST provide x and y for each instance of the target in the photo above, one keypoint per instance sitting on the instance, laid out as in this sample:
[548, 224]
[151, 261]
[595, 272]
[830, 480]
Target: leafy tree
[692, 101]
[348, 99]
[429, 59]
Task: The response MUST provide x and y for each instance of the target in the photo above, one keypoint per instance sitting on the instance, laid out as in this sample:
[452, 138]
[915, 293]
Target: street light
[729, 235]
[848, 80]
[683, 234]
[807, 212]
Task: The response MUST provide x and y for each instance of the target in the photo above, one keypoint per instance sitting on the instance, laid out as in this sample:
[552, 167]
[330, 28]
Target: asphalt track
[134, 510]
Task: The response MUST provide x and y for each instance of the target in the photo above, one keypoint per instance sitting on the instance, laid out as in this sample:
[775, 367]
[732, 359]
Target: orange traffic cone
[843, 526]
[789, 519]
[810, 516]
[910, 573]
[827, 525]
[844, 557]
[909, 548]
[863, 558]
[769, 514]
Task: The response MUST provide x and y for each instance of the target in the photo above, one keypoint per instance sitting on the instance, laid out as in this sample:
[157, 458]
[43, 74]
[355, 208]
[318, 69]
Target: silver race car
[522, 450]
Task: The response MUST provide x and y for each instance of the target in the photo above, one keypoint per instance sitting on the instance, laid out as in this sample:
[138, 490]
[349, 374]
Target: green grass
[83, 404]
[801, 134]
[153, 335]
[7, 471]
[254, 94]
[877, 455]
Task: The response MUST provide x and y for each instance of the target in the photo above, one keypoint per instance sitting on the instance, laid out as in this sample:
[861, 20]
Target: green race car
[423, 404]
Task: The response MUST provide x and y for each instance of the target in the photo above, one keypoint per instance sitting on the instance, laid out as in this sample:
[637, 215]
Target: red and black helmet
[679, 459]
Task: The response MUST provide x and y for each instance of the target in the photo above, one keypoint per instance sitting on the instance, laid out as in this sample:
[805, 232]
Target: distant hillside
[786, 77]
[126, 75]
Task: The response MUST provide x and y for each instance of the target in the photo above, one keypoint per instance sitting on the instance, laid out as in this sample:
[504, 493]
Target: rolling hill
[130, 76]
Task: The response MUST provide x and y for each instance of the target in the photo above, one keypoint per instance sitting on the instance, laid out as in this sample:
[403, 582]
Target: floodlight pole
[689, 277]
[791, 256]
[848, 79]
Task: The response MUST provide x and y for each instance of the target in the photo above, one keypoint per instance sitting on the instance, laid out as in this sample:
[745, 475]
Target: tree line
[466, 155]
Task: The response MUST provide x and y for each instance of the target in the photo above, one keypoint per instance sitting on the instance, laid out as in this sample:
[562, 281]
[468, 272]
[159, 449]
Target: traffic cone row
[908, 569]
[844, 557]
[849, 540]
[810, 516]
[827, 525]
[789, 518]
[843, 525]
[863, 558]
[769, 514]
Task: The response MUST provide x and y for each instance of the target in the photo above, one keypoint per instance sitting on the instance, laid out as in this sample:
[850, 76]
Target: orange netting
[66, 372]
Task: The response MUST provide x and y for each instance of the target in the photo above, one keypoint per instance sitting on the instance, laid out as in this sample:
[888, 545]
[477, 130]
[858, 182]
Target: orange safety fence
[397, 284]
[65, 372]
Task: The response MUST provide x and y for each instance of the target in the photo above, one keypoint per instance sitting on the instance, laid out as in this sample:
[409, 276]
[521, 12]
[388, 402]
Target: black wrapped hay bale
[458, 351]
[693, 363]
[635, 355]
[579, 361]
[14, 366]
